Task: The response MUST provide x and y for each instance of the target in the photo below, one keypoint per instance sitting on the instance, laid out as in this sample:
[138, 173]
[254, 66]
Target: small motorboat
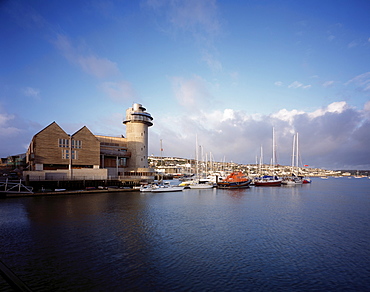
[165, 187]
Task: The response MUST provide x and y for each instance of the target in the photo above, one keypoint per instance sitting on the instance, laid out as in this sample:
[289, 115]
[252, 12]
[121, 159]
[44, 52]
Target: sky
[224, 73]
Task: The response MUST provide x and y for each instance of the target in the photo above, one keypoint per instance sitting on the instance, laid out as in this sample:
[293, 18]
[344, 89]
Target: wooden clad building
[52, 148]
[114, 154]
[55, 155]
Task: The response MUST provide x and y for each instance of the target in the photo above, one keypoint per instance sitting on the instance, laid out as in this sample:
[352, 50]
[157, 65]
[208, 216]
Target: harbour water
[312, 237]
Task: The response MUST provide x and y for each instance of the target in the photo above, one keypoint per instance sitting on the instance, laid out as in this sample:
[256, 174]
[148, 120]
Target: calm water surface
[305, 238]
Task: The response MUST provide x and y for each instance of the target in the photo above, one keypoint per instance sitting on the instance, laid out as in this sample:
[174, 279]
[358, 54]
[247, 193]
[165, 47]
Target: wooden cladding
[52, 146]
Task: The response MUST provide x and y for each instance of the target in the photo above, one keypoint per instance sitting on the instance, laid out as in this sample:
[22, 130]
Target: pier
[44, 188]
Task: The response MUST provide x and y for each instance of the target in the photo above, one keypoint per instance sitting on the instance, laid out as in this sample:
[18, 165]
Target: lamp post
[70, 157]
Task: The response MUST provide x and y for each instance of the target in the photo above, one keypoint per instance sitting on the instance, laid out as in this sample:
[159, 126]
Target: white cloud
[361, 81]
[122, 91]
[287, 116]
[331, 37]
[228, 114]
[367, 106]
[191, 93]
[212, 63]
[91, 64]
[4, 119]
[194, 15]
[328, 83]
[99, 67]
[31, 92]
[278, 83]
[15, 131]
[234, 78]
[297, 84]
[335, 107]
[352, 44]
[201, 19]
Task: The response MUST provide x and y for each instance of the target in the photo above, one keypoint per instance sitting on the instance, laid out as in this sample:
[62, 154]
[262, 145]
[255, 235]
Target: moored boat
[306, 180]
[268, 180]
[235, 180]
[273, 179]
[292, 180]
[199, 184]
[168, 188]
[165, 187]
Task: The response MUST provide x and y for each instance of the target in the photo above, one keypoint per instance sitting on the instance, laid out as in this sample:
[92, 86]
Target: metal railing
[13, 280]
[14, 187]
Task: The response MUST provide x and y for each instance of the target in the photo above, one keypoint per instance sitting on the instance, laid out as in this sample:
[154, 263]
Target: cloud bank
[88, 62]
[335, 136]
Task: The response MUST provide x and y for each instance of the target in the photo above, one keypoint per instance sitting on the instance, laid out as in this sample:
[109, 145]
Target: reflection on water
[309, 237]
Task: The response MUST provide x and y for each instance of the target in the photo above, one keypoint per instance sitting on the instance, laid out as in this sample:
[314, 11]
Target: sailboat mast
[273, 149]
[293, 154]
[196, 156]
[261, 160]
[161, 153]
[206, 163]
[297, 155]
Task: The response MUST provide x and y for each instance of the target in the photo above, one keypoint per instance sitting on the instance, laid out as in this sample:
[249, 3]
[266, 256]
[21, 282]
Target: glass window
[65, 154]
[76, 144]
[64, 143]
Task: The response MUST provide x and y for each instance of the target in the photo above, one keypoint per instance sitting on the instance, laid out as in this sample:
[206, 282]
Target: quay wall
[40, 186]
[65, 174]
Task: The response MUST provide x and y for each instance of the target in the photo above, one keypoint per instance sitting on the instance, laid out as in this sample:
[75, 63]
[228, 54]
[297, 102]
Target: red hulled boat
[268, 180]
[235, 180]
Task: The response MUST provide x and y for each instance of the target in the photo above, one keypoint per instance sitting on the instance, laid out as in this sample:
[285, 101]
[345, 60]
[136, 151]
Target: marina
[185, 146]
[311, 237]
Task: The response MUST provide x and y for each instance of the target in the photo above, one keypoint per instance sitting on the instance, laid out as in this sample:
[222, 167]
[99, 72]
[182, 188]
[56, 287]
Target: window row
[66, 152]
[65, 143]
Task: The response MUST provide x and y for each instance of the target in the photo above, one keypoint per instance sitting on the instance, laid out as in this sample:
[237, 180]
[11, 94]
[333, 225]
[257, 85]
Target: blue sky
[225, 71]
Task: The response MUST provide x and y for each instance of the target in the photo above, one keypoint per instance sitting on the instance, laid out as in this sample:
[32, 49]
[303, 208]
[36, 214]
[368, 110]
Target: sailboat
[199, 183]
[294, 179]
[273, 179]
[161, 186]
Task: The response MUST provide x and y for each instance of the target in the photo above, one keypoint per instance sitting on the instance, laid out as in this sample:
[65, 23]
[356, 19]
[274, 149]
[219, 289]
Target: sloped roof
[52, 124]
[84, 128]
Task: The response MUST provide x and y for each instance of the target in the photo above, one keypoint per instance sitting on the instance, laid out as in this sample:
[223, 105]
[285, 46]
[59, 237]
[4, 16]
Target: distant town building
[53, 154]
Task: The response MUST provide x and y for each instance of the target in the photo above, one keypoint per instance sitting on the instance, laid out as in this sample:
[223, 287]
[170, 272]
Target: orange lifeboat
[235, 180]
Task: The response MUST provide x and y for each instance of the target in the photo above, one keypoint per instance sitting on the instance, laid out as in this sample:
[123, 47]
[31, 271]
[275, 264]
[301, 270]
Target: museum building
[55, 155]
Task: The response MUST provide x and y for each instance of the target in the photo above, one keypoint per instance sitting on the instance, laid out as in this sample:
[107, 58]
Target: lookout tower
[137, 123]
